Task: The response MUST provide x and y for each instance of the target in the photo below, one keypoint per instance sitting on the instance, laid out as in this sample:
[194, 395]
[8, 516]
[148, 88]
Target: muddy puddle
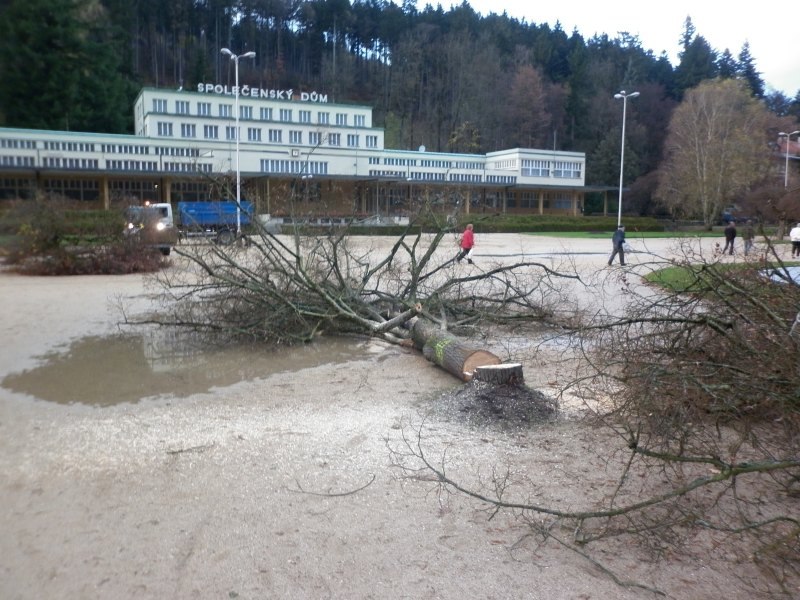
[103, 371]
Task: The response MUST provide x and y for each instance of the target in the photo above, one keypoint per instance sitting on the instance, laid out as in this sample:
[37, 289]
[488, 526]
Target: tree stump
[502, 374]
[451, 353]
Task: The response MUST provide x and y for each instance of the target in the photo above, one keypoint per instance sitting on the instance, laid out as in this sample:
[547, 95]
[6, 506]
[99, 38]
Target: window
[295, 137]
[230, 133]
[204, 109]
[211, 132]
[335, 139]
[352, 141]
[159, 105]
[266, 114]
[567, 170]
[182, 107]
[314, 138]
[360, 120]
[275, 136]
[246, 113]
[254, 134]
[225, 110]
[323, 118]
[164, 129]
[286, 115]
[535, 168]
[188, 130]
[341, 118]
[560, 201]
[372, 141]
[305, 116]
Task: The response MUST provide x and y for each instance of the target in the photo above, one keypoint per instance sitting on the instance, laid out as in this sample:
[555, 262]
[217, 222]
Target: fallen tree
[697, 386]
[451, 353]
[288, 288]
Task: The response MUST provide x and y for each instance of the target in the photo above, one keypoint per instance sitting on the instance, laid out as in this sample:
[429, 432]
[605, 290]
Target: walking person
[467, 244]
[618, 241]
[794, 237]
[730, 236]
[749, 236]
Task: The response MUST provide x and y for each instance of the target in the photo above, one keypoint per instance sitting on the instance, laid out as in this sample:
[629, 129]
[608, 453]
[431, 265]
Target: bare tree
[715, 150]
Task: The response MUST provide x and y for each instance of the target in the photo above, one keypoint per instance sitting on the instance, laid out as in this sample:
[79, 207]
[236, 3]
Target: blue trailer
[217, 219]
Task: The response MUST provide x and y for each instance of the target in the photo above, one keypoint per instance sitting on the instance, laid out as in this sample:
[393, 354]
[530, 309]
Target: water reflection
[103, 371]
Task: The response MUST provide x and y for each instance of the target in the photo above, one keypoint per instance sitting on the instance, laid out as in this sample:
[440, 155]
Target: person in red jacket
[467, 244]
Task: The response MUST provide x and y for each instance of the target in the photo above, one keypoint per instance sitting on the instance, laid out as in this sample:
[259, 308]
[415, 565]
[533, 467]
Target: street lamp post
[235, 58]
[624, 97]
[788, 137]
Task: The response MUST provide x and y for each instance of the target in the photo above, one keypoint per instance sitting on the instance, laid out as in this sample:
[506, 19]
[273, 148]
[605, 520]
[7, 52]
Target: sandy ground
[254, 490]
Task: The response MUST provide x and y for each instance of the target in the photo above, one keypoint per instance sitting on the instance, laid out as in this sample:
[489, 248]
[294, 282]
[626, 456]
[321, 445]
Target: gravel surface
[288, 486]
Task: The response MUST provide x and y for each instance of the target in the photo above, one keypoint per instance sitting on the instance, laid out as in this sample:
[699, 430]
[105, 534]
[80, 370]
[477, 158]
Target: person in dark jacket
[730, 236]
[749, 236]
[618, 241]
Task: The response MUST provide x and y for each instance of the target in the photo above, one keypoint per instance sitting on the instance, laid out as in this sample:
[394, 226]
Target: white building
[297, 154]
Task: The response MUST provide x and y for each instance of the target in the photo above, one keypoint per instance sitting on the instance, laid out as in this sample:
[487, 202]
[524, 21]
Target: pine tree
[698, 63]
[61, 69]
[747, 72]
[727, 67]
[40, 57]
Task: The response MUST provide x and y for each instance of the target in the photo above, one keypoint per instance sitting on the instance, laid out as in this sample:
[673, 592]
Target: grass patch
[676, 279]
[631, 235]
[703, 278]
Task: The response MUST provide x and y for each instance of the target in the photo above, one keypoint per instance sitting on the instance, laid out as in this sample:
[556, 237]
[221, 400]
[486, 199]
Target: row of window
[132, 165]
[124, 149]
[501, 179]
[61, 146]
[439, 164]
[274, 136]
[561, 201]
[70, 163]
[18, 144]
[17, 161]
[267, 166]
[294, 167]
[266, 113]
[543, 168]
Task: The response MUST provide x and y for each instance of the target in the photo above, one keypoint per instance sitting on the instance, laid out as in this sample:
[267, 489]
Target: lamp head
[248, 55]
[227, 52]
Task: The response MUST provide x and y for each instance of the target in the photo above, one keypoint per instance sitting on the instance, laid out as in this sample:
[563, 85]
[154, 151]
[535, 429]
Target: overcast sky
[771, 28]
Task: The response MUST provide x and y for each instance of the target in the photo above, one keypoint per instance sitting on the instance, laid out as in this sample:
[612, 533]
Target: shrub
[52, 237]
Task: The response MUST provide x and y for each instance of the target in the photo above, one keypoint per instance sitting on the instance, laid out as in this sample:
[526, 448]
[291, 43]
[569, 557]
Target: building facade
[296, 154]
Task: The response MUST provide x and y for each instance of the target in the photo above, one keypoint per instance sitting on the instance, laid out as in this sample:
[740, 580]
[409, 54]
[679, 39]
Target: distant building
[298, 155]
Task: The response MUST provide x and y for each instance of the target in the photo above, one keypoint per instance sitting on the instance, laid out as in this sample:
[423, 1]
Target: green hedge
[76, 222]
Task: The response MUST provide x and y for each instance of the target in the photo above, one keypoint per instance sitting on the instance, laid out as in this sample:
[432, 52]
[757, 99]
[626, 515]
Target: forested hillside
[450, 80]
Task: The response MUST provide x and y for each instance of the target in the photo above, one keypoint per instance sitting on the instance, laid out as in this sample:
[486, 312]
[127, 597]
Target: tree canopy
[715, 149]
[445, 79]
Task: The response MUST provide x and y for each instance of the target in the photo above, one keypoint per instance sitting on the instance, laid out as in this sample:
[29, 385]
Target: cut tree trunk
[454, 355]
[504, 374]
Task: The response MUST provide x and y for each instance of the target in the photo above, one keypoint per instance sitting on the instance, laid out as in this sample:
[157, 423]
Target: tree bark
[449, 352]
